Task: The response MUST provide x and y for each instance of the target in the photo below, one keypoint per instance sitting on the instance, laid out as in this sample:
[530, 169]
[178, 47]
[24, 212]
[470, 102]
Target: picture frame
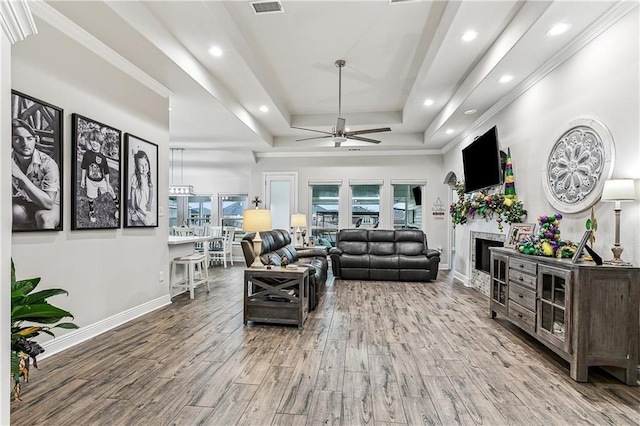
[517, 231]
[42, 124]
[140, 191]
[95, 178]
[581, 246]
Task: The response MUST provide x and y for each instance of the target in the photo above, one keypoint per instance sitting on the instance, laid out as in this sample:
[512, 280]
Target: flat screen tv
[481, 162]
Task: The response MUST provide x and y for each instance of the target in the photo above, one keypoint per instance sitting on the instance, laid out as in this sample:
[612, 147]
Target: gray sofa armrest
[312, 252]
[335, 250]
[431, 253]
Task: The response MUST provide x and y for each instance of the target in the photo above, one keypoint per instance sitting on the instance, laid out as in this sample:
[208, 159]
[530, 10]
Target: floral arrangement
[548, 241]
[504, 208]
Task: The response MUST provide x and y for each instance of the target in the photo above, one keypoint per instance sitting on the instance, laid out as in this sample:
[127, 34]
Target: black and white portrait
[141, 177]
[36, 164]
[96, 174]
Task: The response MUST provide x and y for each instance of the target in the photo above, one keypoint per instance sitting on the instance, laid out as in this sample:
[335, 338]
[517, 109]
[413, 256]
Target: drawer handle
[520, 296]
[521, 279]
[519, 315]
[522, 265]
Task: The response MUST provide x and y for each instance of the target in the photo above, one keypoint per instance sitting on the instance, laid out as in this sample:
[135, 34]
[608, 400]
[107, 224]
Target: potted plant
[28, 310]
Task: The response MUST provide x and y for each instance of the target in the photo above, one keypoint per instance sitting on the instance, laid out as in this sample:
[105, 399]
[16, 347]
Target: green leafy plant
[504, 208]
[28, 310]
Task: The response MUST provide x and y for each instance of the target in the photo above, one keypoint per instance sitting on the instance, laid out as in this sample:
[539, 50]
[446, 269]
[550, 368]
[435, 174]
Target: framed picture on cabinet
[95, 178]
[583, 242]
[517, 231]
[36, 164]
[141, 183]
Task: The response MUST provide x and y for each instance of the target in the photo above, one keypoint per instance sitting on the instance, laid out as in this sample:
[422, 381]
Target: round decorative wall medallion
[577, 166]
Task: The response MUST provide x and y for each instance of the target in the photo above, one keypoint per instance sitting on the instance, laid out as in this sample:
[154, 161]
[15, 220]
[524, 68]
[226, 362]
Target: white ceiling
[397, 55]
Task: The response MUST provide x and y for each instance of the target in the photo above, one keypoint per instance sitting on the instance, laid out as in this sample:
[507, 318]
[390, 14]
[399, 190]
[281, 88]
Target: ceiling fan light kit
[339, 134]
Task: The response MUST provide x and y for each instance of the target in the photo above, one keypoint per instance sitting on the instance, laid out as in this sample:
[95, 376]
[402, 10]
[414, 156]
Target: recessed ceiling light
[428, 102]
[470, 111]
[169, 108]
[449, 131]
[558, 29]
[215, 51]
[469, 35]
[346, 129]
[264, 108]
[506, 78]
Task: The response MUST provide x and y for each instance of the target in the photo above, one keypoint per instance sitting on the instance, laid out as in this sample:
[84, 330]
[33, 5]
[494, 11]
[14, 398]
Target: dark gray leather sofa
[277, 244]
[376, 254]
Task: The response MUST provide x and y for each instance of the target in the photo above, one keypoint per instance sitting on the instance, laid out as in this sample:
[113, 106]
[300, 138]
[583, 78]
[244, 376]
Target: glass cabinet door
[553, 287]
[499, 295]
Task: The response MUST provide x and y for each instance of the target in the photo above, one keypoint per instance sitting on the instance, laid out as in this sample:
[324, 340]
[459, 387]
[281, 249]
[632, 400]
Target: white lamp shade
[298, 220]
[619, 190]
[254, 220]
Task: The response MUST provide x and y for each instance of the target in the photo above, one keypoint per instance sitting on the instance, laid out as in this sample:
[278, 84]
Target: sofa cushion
[413, 262]
[383, 262]
[354, 261]
[381, 235]
[382, 248]
[354, 247]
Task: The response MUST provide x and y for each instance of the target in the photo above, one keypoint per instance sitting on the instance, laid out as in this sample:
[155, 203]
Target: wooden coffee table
[277, 295]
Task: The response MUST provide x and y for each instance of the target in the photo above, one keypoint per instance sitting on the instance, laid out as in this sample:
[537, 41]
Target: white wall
[388, 168]
[599, 82]
[107, 272]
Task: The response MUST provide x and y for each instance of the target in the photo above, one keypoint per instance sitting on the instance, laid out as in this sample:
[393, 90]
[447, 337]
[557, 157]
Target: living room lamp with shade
[298, 220]
[256, 220]
[618, 190]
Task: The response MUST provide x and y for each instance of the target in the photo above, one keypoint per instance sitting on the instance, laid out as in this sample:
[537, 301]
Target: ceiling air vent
[270, 6]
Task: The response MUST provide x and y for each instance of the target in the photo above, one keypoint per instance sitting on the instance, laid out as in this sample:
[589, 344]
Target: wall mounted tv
[482, 162]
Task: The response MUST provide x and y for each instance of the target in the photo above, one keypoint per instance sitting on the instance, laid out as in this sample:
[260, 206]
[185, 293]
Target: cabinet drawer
[524, 318]
[522, 279]
[523, 266]
[522, 296]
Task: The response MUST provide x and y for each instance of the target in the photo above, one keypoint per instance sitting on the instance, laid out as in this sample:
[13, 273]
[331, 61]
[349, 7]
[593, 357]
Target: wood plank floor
[372, 353]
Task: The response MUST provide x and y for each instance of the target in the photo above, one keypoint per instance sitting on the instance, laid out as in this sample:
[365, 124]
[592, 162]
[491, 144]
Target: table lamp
[618, 190]
[298, 220]
[256, 220]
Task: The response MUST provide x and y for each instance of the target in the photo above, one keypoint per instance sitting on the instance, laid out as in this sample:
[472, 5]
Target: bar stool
[195, 273]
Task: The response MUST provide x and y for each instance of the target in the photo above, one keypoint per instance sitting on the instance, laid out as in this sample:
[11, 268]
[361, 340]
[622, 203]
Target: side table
[276, 295]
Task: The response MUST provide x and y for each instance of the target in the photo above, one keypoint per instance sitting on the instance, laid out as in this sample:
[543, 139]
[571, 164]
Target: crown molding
[57, 20]
[16, 20]
[348, 153]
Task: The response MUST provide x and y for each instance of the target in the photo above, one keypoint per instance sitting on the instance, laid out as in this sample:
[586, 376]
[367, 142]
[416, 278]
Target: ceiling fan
[339, 133]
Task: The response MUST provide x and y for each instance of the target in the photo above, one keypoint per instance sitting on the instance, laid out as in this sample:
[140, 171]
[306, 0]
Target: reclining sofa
[375, 254]
[276, 244]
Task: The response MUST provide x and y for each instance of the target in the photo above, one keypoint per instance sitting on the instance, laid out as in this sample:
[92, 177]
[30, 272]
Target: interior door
[281, 197]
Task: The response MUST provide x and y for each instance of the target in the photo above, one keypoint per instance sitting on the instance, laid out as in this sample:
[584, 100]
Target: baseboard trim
[80, 335]
[462, 278]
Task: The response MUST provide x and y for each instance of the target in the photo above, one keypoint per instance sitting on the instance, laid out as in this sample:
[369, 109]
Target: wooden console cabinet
[587, 314]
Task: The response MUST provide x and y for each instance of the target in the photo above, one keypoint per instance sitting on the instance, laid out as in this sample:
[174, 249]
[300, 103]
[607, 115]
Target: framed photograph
[583, 243]
[95, 179]
[36, 158]
[140, 183]
[517, 231]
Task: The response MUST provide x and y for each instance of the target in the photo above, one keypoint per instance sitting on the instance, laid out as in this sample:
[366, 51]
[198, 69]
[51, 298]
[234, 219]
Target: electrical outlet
[161, 276]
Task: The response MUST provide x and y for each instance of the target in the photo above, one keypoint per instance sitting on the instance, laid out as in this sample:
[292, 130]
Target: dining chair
[225, 249]
[182, 231]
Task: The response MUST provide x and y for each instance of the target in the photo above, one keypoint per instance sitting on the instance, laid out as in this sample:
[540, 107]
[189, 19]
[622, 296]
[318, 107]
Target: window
[407, 206]
[199, 210]
[365, 206]
[324, 214]
[231, 207]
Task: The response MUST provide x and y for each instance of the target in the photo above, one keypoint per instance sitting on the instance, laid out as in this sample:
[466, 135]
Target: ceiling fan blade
[340, 125]
[311, 130]
[358, 138]
[315, 137]
[363, 132]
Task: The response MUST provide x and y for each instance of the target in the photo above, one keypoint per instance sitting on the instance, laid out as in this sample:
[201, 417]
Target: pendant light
[179, 190]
